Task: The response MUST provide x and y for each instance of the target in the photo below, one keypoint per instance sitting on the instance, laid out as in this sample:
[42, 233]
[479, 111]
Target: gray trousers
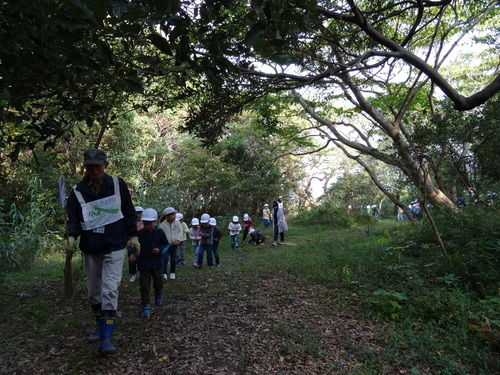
[104, 274]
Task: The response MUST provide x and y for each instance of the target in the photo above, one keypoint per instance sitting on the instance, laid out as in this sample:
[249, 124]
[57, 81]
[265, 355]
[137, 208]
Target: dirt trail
[220, 321]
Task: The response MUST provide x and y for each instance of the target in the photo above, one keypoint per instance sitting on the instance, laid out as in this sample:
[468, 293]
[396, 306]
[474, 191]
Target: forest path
[226, 320]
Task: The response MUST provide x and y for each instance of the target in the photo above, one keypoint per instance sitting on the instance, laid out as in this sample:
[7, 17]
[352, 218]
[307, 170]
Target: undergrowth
[442, 308]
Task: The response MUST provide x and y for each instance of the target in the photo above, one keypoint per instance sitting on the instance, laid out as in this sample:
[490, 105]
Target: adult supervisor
[101, 212]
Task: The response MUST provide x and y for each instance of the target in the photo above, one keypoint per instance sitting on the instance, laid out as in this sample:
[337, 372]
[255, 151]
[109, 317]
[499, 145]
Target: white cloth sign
[104, 211]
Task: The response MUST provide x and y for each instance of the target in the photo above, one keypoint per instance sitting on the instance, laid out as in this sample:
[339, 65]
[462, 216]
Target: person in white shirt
[174, 232]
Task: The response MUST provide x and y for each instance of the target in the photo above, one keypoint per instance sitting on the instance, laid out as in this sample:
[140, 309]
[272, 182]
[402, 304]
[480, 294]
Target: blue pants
[266, 223]
[201, 250]
[234, 241]
[170, 254]
[182, 252]
[216, 252]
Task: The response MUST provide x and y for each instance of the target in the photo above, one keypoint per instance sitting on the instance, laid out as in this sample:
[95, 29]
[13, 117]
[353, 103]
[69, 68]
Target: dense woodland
[222, 106]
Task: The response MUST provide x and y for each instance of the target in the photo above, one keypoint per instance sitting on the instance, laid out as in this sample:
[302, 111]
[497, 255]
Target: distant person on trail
[173, 230]
[247, 224]
[400, 214]
[181, 254]
[132, 266]
[256, 237]
[206, 242]
[217, 237]
[194, 235]
[266, 216]
[279, 224]
[101, 212]
[234, 231]
[154, 245]
[417, 210]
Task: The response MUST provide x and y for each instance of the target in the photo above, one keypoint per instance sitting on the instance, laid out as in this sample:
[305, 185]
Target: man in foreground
[101, 212]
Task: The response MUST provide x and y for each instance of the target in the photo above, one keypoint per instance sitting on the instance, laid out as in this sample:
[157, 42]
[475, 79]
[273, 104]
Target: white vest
[103, 211]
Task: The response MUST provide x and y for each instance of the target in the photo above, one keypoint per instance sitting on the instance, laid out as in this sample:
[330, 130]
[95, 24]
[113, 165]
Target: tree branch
[462, 103]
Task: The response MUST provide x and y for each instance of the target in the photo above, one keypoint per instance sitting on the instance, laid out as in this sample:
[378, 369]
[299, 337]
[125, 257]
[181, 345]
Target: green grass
[387, 273]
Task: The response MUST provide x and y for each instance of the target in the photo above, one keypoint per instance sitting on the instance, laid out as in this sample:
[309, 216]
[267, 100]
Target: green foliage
[327, 214]
[27, 230]
[464, 146]
[392, 285]
[387, 302]
[398, 275]
[471, 239]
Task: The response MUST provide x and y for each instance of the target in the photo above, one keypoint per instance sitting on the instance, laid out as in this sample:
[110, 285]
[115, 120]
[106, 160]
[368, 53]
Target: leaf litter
[211, 322]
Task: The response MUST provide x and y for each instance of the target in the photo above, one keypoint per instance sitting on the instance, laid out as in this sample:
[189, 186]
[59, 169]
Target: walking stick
[68, 266]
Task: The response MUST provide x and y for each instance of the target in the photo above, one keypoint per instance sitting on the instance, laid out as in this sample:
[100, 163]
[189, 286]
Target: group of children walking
[167, 242]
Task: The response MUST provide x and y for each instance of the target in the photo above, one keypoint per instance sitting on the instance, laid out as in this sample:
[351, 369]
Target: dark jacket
[217, 235]
[149, 240]
[207, 235]
[257, 237]
[116, 234]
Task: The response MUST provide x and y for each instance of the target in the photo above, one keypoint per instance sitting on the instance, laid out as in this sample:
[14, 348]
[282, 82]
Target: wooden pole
[68, 266]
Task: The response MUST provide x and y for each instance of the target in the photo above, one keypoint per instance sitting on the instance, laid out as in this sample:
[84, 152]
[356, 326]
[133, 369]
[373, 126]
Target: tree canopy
[359, 69]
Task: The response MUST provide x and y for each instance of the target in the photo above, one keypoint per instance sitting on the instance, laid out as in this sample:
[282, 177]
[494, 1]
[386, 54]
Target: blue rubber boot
[107, 326]
[96, 335]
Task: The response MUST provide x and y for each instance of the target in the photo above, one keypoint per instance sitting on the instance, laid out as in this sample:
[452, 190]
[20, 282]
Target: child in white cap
[154, 244]
[194, 235]
[217, 237]
[247, 224]
[234, 231]
[173, 230]
[206, 242]
[182, 244]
